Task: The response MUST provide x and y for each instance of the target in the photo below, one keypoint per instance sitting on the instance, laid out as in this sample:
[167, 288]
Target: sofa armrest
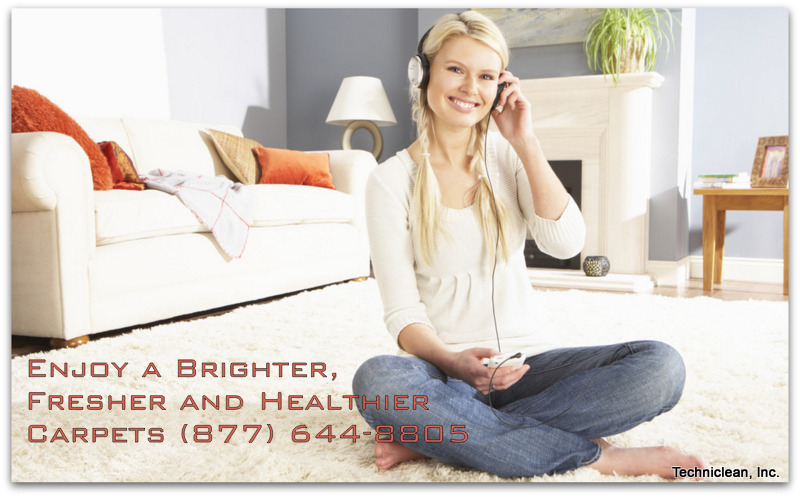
[52, 235]
[350, 170]
[41, 165]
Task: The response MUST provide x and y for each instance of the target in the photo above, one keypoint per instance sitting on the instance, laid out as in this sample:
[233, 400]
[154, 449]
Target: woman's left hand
[513, 113]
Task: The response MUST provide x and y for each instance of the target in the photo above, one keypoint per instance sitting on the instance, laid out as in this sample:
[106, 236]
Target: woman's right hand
[466, 366]
[420, 340]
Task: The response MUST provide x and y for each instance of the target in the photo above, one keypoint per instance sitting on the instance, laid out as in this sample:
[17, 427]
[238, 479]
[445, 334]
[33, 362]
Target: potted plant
[627, 40]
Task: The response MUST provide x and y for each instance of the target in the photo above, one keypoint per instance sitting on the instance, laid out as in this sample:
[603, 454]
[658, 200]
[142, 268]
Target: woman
[447, 244]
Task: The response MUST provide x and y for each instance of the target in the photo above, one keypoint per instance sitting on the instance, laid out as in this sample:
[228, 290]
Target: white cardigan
[453, 295]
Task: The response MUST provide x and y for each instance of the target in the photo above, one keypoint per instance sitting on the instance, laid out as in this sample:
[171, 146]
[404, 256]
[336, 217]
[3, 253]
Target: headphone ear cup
[414, 71]
[418, 71]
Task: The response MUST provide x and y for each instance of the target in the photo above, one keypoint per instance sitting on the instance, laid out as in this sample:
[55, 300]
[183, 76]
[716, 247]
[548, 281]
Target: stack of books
[724, 180]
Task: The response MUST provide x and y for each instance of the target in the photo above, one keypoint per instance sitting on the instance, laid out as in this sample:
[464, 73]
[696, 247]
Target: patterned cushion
[237, 153]
[122, 170]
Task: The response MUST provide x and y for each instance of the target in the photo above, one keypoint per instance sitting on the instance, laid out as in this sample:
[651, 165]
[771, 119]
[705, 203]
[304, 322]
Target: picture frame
[771, 164]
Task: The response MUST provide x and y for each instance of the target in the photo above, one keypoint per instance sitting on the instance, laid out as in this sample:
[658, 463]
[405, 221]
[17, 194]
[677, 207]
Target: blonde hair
[426, 199]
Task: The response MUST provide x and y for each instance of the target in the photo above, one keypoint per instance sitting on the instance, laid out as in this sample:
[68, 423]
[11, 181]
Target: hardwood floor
[728, 290]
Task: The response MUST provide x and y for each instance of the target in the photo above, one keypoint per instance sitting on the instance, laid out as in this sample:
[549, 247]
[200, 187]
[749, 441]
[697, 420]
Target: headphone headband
[422, 40]
[418, 66]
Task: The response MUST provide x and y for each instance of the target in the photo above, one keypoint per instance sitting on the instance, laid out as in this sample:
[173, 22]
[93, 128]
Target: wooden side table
[718, 200]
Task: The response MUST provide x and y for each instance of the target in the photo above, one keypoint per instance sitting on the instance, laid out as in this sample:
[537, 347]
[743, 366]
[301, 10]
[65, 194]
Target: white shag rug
[734, 413]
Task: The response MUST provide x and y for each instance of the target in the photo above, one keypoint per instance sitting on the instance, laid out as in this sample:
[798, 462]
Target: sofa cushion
[122, 215]
[237, 153]
[31, 111]
[292, 167]
[275, 205]
[175, 146]
[104, 129]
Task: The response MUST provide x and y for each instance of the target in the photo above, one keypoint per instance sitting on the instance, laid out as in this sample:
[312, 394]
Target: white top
[453, 295]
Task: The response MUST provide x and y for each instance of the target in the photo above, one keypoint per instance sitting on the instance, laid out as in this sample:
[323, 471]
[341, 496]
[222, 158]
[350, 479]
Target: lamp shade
[361, 98]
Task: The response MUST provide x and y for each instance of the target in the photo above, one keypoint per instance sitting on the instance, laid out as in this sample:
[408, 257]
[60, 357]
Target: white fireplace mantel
[609, 128]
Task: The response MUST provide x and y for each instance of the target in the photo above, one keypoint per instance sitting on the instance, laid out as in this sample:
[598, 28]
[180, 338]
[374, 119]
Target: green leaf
[617, 31]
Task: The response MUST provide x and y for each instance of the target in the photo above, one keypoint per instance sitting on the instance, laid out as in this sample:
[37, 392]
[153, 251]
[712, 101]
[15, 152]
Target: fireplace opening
[569, 172]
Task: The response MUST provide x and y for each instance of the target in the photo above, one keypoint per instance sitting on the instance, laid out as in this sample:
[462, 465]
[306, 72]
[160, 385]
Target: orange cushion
[30, 111]
[291, 167]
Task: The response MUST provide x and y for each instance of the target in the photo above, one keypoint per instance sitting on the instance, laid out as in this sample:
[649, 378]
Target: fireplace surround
[608, 127]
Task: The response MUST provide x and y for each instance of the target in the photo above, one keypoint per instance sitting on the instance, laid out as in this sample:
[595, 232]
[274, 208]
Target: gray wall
[346, 42]
[740, 91]
[741, 94]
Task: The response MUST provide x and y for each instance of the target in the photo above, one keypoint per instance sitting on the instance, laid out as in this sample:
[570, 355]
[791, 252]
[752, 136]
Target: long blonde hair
[426, 199]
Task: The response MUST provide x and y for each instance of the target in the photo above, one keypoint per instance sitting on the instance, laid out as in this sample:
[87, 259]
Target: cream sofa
[86, 261]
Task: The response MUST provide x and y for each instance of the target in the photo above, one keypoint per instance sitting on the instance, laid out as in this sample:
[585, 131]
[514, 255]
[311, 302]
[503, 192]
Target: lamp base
[377, 139]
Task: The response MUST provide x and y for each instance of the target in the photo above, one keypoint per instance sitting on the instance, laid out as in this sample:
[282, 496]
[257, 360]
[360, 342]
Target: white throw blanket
[222, 206]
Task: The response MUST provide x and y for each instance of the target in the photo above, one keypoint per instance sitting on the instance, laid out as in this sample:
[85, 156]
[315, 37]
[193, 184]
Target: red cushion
[291, 167]
[123, 173]
[30, 111]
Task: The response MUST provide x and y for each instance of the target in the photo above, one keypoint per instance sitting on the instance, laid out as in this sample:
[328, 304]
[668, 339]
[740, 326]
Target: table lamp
[362, 103]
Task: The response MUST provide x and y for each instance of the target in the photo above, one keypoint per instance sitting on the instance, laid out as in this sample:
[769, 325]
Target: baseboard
[576, 279]
[675, 273]
[670, 273]
[744, 269]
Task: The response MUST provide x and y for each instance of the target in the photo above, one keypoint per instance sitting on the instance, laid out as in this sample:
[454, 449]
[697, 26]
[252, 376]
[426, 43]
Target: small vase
[596, 265]
[632, 60]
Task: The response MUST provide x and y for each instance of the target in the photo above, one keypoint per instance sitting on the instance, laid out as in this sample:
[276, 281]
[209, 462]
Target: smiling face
[463, 82]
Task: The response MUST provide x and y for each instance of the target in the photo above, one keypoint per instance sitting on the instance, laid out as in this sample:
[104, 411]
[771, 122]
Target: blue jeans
[541, 425]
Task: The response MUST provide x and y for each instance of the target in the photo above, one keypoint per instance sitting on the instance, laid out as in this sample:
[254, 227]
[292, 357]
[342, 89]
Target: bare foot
[642, 461]
[387, 454]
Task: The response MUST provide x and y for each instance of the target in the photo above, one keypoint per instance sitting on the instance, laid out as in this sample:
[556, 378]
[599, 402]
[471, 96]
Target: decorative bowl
[596, 265]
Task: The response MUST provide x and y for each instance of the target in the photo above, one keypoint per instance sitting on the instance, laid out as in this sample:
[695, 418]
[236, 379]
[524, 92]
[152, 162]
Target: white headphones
[418, 67]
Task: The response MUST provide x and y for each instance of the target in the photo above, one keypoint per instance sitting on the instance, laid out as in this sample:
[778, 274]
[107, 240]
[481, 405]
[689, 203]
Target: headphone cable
[494, 313]
[497, 221]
